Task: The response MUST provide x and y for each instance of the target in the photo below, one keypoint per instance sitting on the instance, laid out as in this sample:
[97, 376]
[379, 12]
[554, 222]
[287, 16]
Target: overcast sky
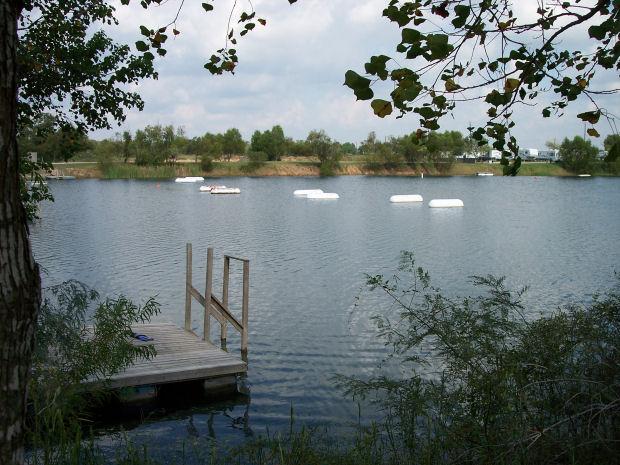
[291, 73]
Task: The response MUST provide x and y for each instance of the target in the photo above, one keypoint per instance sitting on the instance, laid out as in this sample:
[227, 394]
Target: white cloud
[366, 12]
[291, 72]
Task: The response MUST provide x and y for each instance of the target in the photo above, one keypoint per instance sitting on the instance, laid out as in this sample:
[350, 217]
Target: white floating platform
[226, 190]
[210, 188]
[484, 174]
[445, 203]
[584, 175]
[404, 198]
[306, 192]
[323, 195]
[190, 179]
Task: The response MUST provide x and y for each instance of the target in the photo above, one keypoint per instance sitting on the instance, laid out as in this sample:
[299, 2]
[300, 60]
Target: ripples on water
[308, 259]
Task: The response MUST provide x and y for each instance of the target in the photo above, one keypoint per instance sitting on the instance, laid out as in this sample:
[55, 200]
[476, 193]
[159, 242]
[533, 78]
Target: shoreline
[94, 170]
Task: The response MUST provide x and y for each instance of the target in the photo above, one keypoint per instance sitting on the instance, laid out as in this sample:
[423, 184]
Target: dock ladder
[215, 307]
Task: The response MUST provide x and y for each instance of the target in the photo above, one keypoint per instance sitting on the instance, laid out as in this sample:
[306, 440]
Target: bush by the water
[255, 161]
[68, 352]
[206, 163]
[485, 383]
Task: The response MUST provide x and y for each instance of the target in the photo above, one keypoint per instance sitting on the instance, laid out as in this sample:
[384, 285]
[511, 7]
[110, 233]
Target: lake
[559, 236]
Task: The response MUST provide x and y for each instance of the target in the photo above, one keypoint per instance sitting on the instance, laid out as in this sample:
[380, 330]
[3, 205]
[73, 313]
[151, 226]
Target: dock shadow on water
[183, 407]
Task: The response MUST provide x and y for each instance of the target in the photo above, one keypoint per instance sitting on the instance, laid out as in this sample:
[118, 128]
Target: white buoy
[323, 195]
[584, 175]
[406, 198]
[226, 190]
[210, 188]
[445, 203]
[305, 192]
[484, 174]
[190, 179]
[422, 175]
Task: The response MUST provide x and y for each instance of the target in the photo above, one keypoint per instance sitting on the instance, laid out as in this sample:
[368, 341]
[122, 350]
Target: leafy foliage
[71, 77]
[68, 352]
[321, 145]
[232, 143]
[437, 148]
[72, 70]
[612, 145]
[51, 142]
[578, 155]
[206, 163]
[482, 383]
[457, 51]
[271, 142]
[224, 59]
[255, 161]
[154, 145]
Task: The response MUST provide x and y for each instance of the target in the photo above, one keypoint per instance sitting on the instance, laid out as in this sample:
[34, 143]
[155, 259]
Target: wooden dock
[182, 355]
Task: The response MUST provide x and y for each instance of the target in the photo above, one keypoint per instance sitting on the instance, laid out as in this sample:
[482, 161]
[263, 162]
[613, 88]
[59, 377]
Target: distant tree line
[158, 144]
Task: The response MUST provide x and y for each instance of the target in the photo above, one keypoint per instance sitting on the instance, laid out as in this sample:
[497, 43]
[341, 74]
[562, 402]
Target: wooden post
[188, 286]
[224, 326]
[208, 290]
[245, 306]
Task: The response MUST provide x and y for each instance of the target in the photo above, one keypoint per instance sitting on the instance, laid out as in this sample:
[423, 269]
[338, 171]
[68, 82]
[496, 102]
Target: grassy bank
[299, 168]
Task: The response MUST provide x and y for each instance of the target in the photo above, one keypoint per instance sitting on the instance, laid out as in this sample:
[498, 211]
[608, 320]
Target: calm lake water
[559, 236]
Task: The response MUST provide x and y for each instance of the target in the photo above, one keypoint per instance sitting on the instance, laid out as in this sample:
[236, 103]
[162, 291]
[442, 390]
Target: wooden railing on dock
[215, 307]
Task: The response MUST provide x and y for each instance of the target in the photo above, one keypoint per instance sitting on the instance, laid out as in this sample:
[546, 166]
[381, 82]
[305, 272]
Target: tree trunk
[20, 287]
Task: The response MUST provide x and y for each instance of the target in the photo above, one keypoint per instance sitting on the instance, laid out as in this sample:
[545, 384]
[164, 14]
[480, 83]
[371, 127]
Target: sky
[291, 73]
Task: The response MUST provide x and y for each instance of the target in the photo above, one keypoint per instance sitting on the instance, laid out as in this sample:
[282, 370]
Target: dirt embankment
[296, 168]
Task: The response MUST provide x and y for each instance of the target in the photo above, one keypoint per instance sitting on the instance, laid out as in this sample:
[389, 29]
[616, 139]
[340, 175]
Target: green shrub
[373, 162]
[206, 163]
[484, 384]
[329, 167]
[255, 161]
[578, 155]
[68, 352]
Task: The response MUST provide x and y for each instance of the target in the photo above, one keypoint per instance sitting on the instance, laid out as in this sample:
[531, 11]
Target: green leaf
[438, 46]
[425, 112]
[497, 98]
[355, 81]
[593, 132]
[141, 46]
[207, 7]
[382, 108]
[411, 36]
[597, 32]
[462, 12]
[145, 31]
[432, 125]
[364, 93]
[377, 66]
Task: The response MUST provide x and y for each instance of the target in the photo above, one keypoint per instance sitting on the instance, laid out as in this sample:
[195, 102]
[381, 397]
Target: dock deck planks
[181, 356]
